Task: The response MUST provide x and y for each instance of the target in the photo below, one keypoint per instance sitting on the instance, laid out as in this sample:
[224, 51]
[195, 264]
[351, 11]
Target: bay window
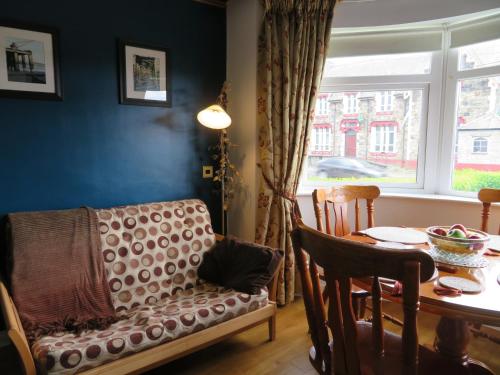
[413, 109]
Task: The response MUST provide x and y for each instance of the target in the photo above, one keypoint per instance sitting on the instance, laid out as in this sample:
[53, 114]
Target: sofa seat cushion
[147, 326]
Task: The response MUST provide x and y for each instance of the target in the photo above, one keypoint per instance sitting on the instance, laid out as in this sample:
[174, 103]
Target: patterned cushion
[147, 326]
[153, 250]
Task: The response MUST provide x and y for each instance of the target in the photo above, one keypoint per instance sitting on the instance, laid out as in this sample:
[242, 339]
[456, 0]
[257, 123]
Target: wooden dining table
[456, 313]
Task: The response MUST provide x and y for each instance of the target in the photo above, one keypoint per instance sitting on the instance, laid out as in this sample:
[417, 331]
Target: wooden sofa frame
[150, 358]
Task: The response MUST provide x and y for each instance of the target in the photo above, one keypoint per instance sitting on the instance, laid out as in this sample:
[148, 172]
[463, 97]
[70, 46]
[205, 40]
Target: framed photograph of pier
[144, 74]
[29, 62]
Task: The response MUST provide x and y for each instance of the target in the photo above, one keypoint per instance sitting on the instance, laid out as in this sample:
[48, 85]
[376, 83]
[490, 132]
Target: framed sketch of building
[29, 62]
[144, 75]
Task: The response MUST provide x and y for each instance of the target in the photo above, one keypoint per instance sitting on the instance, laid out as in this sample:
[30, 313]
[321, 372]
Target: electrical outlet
[208, 171]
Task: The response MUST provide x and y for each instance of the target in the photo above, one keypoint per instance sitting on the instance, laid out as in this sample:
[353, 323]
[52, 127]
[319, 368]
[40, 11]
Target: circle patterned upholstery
[151, 254]
[185, 312]
[151, 251]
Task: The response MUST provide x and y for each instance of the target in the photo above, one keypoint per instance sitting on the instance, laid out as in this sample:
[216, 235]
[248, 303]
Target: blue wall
[90, 150]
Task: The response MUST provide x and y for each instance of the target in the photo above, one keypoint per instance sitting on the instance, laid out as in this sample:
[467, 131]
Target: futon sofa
[151, 254]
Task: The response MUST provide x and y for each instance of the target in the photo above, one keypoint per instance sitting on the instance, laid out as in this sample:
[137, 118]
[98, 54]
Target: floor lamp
[215, 117]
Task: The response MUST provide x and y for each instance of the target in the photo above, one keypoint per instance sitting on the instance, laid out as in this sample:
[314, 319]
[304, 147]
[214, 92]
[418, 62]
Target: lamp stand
[222, 140]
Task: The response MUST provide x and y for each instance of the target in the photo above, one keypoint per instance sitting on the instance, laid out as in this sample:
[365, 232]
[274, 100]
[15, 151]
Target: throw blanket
[57, 274]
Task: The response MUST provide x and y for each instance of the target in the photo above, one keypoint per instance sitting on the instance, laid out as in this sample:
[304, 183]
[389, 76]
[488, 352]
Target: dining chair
[338, 198]
[487, 197]
[357, 346]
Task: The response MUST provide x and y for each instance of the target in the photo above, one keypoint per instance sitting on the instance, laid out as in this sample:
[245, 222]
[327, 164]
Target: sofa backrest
[153, 250]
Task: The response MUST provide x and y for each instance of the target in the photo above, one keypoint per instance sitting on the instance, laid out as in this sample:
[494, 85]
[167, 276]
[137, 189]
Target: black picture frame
[56, 93]
[124, 78]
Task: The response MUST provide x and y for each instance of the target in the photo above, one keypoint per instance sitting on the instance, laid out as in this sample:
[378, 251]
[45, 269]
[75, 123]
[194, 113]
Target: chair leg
[362, 308]
[272, 328]
[324, 294]
[356, 306]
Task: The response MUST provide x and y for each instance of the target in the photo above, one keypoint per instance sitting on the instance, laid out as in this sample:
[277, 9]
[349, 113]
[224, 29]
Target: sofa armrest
[15, 331]
[218, 237]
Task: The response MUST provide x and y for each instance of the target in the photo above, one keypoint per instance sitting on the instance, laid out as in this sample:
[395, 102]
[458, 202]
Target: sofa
[151, 254]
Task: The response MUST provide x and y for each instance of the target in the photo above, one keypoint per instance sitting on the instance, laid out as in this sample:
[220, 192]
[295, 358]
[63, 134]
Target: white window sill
[431, 197]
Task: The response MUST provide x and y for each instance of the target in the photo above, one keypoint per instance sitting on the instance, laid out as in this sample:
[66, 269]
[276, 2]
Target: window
[322, 106]
[480, 146]
[412, 109]
[350, 103]
[384, 101]
[383, 139]
[379, 65]
[474, 81]
[480, 55]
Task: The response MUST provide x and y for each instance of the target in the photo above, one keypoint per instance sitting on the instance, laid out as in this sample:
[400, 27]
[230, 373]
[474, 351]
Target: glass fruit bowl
[473, 243]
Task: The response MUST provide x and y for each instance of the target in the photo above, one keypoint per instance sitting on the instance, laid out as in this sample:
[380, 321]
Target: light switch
[208, 171]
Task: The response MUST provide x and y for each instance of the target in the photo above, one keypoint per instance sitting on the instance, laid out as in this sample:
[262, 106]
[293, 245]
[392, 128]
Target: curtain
[292, 52]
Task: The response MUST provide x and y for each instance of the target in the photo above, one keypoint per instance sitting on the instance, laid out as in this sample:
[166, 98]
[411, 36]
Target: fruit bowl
[465, 241]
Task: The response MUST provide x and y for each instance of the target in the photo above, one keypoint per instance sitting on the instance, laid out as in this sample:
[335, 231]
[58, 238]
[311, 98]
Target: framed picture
[144, 75]
[29, 62]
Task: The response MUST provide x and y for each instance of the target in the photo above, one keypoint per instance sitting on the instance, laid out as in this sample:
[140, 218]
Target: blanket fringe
[69, 325]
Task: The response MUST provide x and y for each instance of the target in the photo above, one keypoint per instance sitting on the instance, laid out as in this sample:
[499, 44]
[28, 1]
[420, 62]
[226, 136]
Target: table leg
[452, 338]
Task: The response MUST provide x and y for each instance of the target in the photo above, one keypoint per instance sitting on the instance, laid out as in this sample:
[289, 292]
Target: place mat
[397, 234]
[471, 261]
[465, 285]
[494, 244]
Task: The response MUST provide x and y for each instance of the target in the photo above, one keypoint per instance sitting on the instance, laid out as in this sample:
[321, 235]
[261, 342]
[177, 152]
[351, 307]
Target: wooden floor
[251, 353]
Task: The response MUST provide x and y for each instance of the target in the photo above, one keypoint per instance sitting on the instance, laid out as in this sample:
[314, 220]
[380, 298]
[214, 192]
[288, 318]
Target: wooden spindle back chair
[487, 197]
[339, 197]
[355, 341]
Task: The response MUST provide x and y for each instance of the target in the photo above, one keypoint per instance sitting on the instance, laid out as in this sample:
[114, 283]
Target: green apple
[456, 233]
[459, 226]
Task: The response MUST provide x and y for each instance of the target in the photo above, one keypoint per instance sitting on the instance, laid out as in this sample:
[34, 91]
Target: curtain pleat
[292, 52]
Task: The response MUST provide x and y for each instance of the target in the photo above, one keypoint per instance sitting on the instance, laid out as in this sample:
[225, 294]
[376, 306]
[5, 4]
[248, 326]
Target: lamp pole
[223, 135]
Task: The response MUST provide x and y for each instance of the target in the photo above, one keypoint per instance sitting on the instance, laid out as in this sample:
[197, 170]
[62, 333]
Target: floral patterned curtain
[292, 51]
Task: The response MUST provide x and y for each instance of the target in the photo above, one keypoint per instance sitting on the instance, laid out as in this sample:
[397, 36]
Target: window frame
[389, 83]
[452, 75]
[438, 135]
[350, 101]
[483, 145]
[384, 131]
[382, 101]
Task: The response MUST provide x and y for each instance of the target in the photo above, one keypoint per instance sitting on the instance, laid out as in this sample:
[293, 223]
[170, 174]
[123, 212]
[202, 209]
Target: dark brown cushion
[244, 266]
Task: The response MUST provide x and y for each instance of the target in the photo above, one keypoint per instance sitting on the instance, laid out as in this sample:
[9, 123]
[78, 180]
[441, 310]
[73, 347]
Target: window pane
[480, 55]
[477, 151]
[378, 65]
[369, 145]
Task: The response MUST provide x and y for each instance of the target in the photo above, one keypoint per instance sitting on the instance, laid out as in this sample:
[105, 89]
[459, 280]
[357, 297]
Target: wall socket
[208, 171]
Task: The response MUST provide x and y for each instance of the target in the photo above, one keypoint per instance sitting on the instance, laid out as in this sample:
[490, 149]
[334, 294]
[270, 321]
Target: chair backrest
[487, 197]
[339, 197]
[342, 260]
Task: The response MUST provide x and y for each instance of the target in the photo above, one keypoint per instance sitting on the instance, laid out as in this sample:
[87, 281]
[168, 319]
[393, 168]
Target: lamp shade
[214, 117]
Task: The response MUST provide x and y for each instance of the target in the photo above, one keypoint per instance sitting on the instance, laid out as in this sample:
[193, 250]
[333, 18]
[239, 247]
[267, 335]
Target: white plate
[394, 245]
[465, 285]
[494, 243]
[397, 234]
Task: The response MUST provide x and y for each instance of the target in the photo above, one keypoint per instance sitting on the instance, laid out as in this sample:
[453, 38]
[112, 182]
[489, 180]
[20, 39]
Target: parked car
[349, 167]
